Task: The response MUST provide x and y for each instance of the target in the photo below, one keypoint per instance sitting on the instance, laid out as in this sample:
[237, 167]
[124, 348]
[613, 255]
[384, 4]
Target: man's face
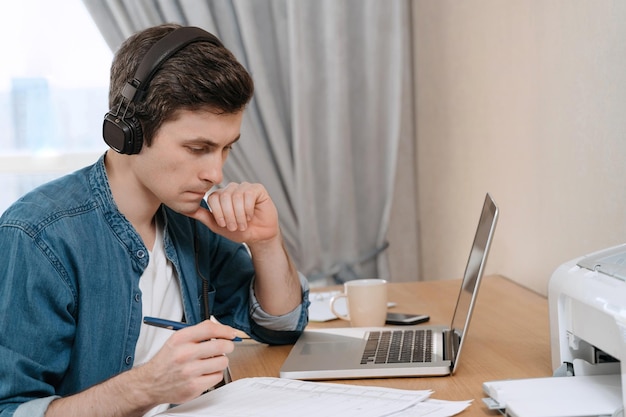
[186, 157]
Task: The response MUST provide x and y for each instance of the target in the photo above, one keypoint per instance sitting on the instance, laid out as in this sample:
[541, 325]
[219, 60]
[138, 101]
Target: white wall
[526, 100]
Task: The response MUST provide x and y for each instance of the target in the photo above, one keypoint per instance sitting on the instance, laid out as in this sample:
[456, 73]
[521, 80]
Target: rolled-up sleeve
[34, 408]
[295, 320]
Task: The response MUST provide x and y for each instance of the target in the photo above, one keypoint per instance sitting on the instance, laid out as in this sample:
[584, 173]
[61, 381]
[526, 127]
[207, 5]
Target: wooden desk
[508, 338]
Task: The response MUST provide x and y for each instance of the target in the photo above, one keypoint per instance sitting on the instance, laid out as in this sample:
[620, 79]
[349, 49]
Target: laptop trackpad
[326, 348]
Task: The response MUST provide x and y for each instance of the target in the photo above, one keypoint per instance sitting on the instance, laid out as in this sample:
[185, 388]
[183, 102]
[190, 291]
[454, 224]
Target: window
[54, 82]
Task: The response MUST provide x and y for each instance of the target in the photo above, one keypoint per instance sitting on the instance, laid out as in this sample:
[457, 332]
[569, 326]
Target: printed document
[271, 397]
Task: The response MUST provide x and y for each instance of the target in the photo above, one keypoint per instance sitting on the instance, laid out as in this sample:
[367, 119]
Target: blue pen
[172, 325]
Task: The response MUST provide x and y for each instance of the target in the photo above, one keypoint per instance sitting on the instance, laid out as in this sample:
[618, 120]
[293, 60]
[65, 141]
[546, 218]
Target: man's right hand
[191, 361]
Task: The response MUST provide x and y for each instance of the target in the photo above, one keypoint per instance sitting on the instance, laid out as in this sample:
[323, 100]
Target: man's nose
[211, 170]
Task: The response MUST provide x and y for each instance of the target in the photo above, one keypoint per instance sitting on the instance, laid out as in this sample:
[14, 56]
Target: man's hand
[191, 361]
[246, 213]
[241, 212]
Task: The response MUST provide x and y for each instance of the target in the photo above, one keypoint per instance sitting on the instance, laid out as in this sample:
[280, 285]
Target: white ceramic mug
[366, 301]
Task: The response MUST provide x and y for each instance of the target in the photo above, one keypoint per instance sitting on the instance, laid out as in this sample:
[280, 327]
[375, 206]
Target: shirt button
[128, 360]
[137, 297]
[141, 253]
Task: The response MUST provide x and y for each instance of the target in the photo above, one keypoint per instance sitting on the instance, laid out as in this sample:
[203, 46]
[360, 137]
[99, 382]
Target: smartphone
[406, 319]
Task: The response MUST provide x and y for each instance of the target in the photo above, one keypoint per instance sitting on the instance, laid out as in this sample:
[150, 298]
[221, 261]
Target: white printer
[587, 301]
[587, 307]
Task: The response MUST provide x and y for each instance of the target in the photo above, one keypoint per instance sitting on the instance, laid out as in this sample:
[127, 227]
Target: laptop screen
[474, 271]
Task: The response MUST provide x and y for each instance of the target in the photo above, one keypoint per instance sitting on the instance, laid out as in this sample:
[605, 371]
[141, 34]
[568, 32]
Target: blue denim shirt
[70, 304]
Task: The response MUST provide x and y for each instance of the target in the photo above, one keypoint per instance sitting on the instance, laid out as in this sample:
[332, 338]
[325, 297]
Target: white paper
[435, 408]
[272, 397]
[319, 310]
[558, 396]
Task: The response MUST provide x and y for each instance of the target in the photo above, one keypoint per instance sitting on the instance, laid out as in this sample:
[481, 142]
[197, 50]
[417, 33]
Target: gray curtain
[333, 98]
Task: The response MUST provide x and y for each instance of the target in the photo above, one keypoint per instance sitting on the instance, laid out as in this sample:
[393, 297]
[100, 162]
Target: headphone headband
[123, 133]
[160, 52]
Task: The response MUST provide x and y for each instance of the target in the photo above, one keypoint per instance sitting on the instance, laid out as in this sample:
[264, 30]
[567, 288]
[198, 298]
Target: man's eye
[196, 149]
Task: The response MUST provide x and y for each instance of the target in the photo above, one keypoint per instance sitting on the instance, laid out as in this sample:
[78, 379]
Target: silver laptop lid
[471, 280]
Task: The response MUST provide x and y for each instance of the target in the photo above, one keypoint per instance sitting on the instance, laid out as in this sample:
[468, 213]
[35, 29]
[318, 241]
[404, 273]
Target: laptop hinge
[451, 341]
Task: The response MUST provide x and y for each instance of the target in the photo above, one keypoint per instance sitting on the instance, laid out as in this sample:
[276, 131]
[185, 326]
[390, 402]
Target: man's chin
[187, 208]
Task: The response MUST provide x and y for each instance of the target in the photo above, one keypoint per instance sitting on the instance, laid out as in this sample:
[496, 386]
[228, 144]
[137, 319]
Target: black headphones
[122, 131]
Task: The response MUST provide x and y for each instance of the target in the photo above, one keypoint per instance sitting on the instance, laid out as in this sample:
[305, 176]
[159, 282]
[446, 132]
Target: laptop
[380, 352]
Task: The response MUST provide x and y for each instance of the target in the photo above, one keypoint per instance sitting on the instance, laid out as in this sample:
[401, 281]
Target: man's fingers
[207, 330]
[213, 200]
[233, 206]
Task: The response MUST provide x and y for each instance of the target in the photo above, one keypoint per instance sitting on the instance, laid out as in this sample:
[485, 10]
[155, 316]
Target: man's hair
[201, 76]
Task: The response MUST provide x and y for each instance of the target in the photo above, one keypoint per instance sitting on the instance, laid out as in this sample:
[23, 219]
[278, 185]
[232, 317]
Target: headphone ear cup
[124, 135]
[136, 142]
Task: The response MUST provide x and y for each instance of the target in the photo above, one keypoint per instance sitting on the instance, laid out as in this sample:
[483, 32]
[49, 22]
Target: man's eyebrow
[211, 142]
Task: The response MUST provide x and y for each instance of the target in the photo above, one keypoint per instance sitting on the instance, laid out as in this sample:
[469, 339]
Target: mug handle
[332, 306]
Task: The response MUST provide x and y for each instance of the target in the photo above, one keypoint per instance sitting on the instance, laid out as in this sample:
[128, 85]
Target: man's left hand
[240, 212]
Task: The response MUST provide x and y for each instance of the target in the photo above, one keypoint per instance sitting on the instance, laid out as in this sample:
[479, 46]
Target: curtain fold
[332, 100]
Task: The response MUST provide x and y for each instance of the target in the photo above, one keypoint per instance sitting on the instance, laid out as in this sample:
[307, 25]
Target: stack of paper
[271, 397]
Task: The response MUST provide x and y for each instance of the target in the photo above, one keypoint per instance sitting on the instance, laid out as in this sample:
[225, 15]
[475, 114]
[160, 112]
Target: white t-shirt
[161, 297]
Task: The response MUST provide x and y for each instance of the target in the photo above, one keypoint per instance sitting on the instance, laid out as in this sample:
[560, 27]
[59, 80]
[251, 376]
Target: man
[86, 257]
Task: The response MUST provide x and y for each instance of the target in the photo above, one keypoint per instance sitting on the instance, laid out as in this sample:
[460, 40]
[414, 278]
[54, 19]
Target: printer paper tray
[575, 396]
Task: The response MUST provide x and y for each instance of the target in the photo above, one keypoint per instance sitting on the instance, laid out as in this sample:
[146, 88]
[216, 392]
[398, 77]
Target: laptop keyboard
[398, 346]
